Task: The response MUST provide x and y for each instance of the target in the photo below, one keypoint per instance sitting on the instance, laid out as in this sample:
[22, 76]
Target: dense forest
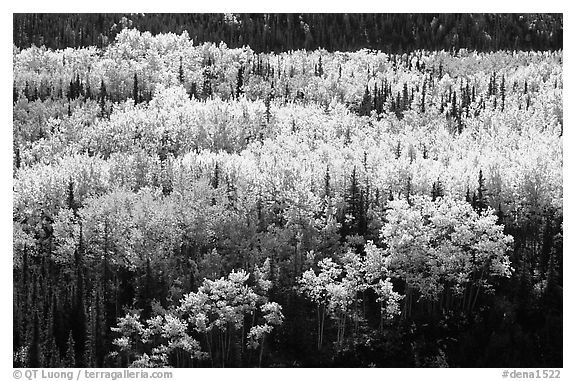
[391, 33]
[190, 204]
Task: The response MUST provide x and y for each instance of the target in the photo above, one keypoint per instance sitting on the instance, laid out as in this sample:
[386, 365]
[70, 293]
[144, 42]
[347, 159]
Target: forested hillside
[391, 33]
[192, 204]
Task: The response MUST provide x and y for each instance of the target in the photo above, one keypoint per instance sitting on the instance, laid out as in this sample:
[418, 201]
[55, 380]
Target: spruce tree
[14, 94]
[481, 191]
[135, 91]
[102, 98]
[193, 91]
[27, 91]
[181, 73]
[240, 82]
[70, 356]
[267, 111]
[327, 192]
[17, 157]
[405, 97]
[350, 227]
[423, 101]
[502, 92]
[366, 104]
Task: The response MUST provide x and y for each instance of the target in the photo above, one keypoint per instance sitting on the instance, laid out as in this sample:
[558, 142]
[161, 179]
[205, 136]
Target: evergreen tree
[27, 91]
[193, 91]
[135, 91]
[454, 108]
[502, 92]
[240, 82]
[17, 158]
[102, 99]
[353, 206]
[71, 202]
[398, 150]
[215, 181]
[14, 94]
[181, 73]
[481, 191]
[327, 192]
[437, 190]
[405, 97]
[206, 84]
[423, 101]
[366, 104]
[70, 357]
[268, 113]
[500, 215]
[408, 190]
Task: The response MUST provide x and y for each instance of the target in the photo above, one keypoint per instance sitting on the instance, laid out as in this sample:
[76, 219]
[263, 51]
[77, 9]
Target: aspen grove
[184, 204]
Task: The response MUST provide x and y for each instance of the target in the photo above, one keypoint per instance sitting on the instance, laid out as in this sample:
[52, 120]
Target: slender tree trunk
[477, 290]
[209, 348]
[318, 342]
[261, 351]
[229, 345]
[322, 328]
[381, 316]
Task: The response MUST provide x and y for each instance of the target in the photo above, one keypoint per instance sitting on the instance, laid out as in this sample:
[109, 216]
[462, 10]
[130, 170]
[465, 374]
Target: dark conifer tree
[500, 215]
[27, 91]
[327, 192]
[135, 91]
[240, 82]
[442, 104]
[79, 88]
[71, 202]
[206, 84]
[215, 181]
[102, 98]
[502, 93]
[70, 357]
[193, 91]
[437, 190]
[423, 101]
[17, 158]
[181, 73]
[350, 227]
[482, 194]
[397, 107]
[474, 201]
[14, 94]
[366, 104]
[408, 190]
[268, 113]
[405, 97]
